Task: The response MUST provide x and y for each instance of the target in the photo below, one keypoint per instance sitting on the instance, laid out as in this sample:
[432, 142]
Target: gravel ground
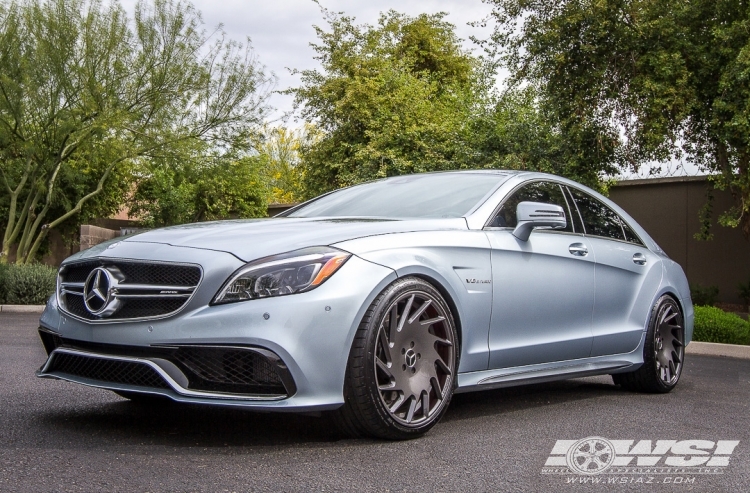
[57, 436]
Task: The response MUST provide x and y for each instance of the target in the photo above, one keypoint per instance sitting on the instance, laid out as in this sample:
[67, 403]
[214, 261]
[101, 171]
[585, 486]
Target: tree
[390, 99]
[647, 80]
[87, 95]
[280, 156]
[193, 184]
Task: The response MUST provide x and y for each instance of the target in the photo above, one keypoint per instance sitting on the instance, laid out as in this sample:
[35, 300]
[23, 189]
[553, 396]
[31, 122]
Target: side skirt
[548, 372]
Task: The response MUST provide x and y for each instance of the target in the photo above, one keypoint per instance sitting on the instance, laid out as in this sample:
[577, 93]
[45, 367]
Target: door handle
[578, 249]
[639, 259]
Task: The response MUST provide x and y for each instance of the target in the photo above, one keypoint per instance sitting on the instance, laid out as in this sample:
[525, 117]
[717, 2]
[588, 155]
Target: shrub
[3, 273]
[704, 295]
[715, 325]
[28, 284]
[744, 292]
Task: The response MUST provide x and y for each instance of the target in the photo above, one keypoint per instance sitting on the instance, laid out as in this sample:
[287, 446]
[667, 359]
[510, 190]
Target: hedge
[26, 284]
[716, 325]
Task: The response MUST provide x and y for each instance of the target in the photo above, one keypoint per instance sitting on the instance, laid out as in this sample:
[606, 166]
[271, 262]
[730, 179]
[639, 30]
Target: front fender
[458, 264]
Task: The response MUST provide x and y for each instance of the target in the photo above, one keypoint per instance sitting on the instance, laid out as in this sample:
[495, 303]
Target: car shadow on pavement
[179, 425]
[525, 397]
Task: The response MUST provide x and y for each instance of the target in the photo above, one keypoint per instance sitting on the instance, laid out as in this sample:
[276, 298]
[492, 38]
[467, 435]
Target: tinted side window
[575, 216]
[630, 234]
[598, 219]
[540, 191]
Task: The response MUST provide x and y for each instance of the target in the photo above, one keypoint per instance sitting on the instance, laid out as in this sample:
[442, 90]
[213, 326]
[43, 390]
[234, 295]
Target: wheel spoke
[405, 315]
[397, 404]
[394, 322]
[443, 366]
[412, 408]
[432, 321]
[419, 312]
[384, 368]
[436, 388]
[425, 404]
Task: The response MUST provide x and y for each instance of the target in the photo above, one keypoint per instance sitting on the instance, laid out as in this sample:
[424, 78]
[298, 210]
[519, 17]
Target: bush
[704, 295]
[744, 292]
[3, 272]
[715, 325]
[27, 284]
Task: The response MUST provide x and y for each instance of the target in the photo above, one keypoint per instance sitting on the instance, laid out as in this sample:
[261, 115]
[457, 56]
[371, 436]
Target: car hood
[252, 239]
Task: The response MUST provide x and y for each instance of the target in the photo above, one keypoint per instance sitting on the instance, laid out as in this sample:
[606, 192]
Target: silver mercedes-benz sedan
[377, 302]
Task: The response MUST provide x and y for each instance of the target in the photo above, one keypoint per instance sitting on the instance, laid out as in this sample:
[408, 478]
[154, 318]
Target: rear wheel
[663, 351]
[402, 365]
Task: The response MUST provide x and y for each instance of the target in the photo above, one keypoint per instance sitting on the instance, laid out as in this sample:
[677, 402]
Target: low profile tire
[141, 398]
[402, 365]
[663, 351]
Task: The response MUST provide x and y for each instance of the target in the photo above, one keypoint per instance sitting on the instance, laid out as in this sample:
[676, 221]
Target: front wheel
[402, 366]
[663, 351]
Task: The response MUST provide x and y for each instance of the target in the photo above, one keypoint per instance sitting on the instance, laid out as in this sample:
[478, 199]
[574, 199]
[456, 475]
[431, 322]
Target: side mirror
[532, 215]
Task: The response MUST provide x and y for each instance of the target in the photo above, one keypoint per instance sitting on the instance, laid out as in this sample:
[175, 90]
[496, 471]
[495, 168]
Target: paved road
[57, 436]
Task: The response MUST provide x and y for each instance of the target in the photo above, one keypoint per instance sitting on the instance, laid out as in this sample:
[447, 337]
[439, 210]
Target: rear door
[627, 277]
[543, 288]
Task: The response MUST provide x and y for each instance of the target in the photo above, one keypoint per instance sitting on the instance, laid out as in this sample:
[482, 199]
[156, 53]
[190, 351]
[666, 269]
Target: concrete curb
[715, 349]
[22, 308]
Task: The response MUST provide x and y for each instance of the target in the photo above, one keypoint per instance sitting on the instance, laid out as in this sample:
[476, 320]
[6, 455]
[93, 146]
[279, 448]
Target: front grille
[228, 370]
[107, 370]
[144, 289]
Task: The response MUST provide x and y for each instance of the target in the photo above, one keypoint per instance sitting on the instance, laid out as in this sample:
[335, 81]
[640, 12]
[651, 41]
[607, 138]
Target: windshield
[428, 195]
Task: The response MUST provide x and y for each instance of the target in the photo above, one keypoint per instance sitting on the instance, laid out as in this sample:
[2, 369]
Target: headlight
[280, 275]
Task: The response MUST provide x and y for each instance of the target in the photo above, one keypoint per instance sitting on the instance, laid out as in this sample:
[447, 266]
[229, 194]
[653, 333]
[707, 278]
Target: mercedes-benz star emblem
[98, 293]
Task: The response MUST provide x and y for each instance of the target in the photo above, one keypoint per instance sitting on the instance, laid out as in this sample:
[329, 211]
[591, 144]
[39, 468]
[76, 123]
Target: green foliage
[89, 98]
[630, 82]
[29, 284]
[715, 325]
[743, 289]
[704, 295]
[280, 158]
[391, 99]
[193, 186]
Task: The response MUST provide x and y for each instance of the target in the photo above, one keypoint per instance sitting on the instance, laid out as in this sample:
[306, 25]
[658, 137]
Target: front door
[543, 288]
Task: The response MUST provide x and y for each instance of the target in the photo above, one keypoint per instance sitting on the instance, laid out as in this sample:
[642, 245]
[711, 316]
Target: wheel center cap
[410, 358]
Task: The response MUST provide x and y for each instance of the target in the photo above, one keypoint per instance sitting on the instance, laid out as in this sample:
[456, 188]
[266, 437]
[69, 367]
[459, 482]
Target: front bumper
[305, 337]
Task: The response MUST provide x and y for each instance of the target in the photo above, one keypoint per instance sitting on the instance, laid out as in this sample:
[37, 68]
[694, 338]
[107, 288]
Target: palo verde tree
[647, 80]
[87, 94]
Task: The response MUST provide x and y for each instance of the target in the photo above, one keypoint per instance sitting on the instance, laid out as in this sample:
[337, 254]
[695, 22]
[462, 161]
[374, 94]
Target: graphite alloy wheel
[402, 365]
[663, 351]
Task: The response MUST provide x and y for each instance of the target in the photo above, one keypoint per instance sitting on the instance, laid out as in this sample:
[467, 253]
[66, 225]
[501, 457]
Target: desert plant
[28, 284]
[715, 325]
[704, 295]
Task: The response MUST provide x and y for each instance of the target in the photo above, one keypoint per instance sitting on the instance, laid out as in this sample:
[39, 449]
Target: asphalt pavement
[58, 436]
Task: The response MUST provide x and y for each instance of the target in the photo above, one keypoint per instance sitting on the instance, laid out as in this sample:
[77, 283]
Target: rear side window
[539, 191]
[600, 220]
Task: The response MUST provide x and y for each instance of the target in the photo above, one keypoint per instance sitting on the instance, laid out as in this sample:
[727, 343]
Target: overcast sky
[282, 30]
